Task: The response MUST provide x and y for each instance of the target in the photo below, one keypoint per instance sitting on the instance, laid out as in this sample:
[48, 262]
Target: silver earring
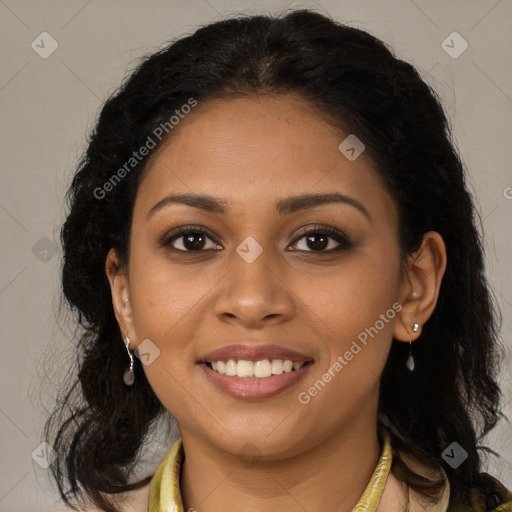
[410, 360]
[129, 376]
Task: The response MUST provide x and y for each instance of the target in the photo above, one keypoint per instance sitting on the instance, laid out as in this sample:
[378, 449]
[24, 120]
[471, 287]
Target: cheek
[163, 294]
[167, 303]
[355, 308]
[165, 306]
[356, 311]
[355, 293]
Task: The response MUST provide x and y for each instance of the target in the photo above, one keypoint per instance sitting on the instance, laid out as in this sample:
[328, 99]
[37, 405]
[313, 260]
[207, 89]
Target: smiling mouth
[262, 369]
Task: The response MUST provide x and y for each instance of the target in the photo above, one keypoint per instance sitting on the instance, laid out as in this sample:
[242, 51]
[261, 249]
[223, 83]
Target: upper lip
[252, 352]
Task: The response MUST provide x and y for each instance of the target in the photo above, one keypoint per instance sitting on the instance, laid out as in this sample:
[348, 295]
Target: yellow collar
[165, 493]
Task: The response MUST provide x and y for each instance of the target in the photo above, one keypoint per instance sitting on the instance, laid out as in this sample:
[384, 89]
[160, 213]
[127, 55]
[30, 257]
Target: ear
[420, 286]
[120, 291]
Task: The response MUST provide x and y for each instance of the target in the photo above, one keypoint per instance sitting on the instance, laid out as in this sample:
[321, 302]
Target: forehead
[251, 150]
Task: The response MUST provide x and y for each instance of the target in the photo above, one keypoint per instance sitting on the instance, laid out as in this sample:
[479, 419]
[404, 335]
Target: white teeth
[277, 366]
[260, 369]
[231, 368]
[245, 368]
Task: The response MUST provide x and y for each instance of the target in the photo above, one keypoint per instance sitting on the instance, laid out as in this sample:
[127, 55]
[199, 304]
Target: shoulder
[487, 495]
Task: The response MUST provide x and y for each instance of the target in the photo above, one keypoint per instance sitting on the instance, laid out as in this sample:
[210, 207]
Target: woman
[272, 213]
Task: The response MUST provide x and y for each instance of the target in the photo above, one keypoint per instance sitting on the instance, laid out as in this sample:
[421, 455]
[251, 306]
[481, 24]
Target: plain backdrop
[49, 102]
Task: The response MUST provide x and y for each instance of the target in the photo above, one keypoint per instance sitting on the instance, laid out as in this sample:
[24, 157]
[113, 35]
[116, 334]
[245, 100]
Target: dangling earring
[129, 376]
[410, 360]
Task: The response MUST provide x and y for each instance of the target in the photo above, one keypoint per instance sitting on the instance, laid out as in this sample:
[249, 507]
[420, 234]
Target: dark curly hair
[352, 78]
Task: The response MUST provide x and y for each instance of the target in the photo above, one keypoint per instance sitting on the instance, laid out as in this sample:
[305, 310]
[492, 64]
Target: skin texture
[251, 152]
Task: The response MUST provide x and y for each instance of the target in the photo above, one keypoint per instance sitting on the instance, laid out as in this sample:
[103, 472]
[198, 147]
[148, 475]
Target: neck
[330, 476]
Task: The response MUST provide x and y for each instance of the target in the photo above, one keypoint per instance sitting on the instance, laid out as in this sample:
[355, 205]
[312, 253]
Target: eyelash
[342, 239]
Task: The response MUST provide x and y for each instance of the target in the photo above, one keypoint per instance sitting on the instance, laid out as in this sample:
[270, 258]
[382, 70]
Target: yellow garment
[164, 495]
[165, 486]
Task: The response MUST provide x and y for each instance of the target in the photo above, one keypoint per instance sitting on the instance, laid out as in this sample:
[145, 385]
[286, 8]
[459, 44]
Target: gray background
[48, 105]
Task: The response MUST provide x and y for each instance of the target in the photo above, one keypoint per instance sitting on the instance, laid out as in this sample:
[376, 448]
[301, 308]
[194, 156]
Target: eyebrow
[283, 206]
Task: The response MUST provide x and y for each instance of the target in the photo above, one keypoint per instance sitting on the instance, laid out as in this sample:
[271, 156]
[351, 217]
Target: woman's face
[251, 278]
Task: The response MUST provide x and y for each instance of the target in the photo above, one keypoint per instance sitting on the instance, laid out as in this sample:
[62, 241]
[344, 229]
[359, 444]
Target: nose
[254, 294]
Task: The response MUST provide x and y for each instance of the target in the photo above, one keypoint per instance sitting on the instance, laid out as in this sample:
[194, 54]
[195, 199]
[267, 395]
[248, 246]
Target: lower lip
[244, 388]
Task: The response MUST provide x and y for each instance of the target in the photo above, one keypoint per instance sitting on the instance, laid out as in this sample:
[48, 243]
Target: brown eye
[322, 239]
[190, 240]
